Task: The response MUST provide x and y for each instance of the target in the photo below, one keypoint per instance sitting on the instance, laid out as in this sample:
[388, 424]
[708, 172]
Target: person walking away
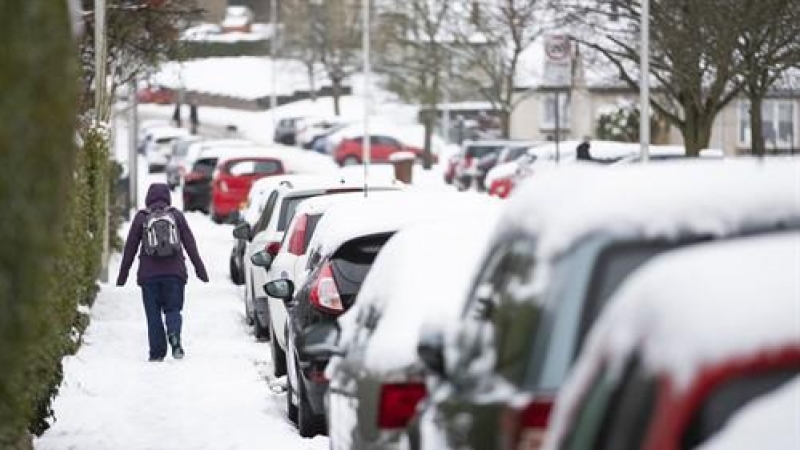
[160, 233]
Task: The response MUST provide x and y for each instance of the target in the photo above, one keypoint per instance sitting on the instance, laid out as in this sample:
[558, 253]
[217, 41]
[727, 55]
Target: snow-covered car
[176, 167]
[567, 241]
[308, 130]
[237, 19]
[158, 145]
[286, 130]
[292, 258]
[377, 378]
[693, 339]
[340, 254]
[465, 161]
[267, 234]
[197, 182]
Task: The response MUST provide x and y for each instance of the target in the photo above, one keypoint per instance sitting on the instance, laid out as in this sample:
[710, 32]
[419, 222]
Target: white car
[267, 234]
[158, 145]
[292, 260]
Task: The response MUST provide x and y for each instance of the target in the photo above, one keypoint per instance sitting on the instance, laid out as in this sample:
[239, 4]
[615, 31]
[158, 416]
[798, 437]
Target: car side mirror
[261, 259]
[320, 341]
[242, 231]
[282, 289]
[430, 349]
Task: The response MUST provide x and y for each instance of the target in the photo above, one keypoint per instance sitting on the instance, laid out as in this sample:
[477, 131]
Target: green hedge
[53, 199]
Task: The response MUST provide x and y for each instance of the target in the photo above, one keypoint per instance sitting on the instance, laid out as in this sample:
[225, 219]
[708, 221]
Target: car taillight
[524, 429]
[297, 243]
[273, 248]
[324, 293]
[398, 404]
[468, 162]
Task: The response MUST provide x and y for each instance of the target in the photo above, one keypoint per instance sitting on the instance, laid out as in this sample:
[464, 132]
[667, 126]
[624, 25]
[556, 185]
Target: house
[213, 10]
[593, 94]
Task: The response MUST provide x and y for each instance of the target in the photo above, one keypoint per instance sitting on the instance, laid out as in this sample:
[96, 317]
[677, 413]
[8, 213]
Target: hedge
[53, 198]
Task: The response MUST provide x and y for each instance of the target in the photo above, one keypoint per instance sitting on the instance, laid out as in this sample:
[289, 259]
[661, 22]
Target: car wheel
[236, 274]
[308, 423]
[351, 161]
[278, 355]
[260, 330]
[291, 408]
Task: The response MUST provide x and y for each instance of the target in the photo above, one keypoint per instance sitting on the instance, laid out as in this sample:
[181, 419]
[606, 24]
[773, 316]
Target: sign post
[558, 75]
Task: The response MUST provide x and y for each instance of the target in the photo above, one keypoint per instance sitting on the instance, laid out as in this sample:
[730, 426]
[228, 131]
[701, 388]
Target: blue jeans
[162, 296]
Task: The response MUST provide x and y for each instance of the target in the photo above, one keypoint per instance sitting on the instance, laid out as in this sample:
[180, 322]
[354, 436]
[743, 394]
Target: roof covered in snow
[665, 200]
[352, 219]
[412, 291]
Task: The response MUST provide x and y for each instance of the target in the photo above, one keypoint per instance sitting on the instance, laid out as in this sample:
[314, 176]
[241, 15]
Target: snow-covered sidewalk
[219, 397]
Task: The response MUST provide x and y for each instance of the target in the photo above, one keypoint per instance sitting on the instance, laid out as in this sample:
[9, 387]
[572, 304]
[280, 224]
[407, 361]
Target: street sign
[558, 61]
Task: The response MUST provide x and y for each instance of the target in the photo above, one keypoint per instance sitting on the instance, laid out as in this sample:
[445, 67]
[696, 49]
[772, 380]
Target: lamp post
[273, 53]
[366, 144]
[644, 116]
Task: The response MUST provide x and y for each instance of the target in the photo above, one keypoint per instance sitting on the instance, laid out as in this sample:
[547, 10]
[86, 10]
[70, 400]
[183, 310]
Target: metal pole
[133, 153]
[558, 129]
[366, 147]
[446, 108]
[644, 117]
[273, 53]
[99, 58]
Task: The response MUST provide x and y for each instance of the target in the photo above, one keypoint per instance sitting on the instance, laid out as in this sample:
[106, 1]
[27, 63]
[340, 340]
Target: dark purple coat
[158, 196]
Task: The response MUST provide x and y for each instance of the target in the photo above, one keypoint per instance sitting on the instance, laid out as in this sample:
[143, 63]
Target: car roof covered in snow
[420, 279]
[693, 308]
[657, 201]
[770, 420]
[321, 203]
[387, 214]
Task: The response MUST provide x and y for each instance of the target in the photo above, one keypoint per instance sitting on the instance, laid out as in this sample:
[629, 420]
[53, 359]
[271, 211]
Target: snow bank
[768, 422]
[657, 201]
[421, 278]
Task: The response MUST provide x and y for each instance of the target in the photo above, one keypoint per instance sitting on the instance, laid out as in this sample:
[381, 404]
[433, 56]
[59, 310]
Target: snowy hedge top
[657, 201]
[771, 421]
[420, 279]
[694, 307]
[384, 214]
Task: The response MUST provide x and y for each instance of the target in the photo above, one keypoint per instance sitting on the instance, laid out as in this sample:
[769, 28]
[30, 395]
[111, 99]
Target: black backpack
[161, 238]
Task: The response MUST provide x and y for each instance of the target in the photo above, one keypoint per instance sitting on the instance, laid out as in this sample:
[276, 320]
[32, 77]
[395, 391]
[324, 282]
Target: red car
[157, 95]
[234, 177]
[349, 151]
[691, 343]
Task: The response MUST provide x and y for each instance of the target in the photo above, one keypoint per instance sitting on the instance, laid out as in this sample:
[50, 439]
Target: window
[266, 214]
[287, 210]
[205, 166]
[548, 117]
[254, 167]
[778, 119]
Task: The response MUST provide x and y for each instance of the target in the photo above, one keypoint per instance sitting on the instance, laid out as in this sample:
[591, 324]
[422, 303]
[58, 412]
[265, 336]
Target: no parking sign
[558, 61]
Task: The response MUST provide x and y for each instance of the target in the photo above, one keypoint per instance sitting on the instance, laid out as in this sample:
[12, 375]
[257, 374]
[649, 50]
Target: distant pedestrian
[160, 233]
[193, 119]
[176, 116]
[583, 151]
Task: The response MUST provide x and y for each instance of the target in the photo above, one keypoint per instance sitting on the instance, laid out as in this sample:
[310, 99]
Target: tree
[768, 47]
[493, 37]
[299, 38]
[692, 51]
[140, 35]
[413, 57]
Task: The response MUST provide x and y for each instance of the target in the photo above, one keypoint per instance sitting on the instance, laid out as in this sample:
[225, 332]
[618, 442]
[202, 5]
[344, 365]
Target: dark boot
[177, 350]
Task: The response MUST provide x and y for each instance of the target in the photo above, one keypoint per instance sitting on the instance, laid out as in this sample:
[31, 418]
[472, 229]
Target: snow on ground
[219, 397]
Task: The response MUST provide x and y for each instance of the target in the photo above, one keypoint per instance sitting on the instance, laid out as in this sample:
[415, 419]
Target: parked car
[346, 242]
[350, 150]
[465, 161]
[176, 166]
[237, 19]
[692, 340]
[286, 130]
[292, 259]
[158, 146]
[320, 143]
[267, 234]
[567, 241]
[156, 94]
[509, 154]
[197, 183]
[235, 174]
[377, 379]
[308, 130]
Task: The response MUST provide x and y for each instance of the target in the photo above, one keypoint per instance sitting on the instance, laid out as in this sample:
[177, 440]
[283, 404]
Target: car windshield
[479, 151]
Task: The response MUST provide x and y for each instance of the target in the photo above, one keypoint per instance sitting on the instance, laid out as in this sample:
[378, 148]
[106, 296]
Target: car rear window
[288, 208]
[205, 166]
[352, 262]
[479, 151]
[246, 167]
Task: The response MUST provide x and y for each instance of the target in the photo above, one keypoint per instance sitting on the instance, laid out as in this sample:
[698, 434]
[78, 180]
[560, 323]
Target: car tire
[291, 408]
[260, 330]
[237, 277]
[278, 355]
[351, 161]
[308, 423]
